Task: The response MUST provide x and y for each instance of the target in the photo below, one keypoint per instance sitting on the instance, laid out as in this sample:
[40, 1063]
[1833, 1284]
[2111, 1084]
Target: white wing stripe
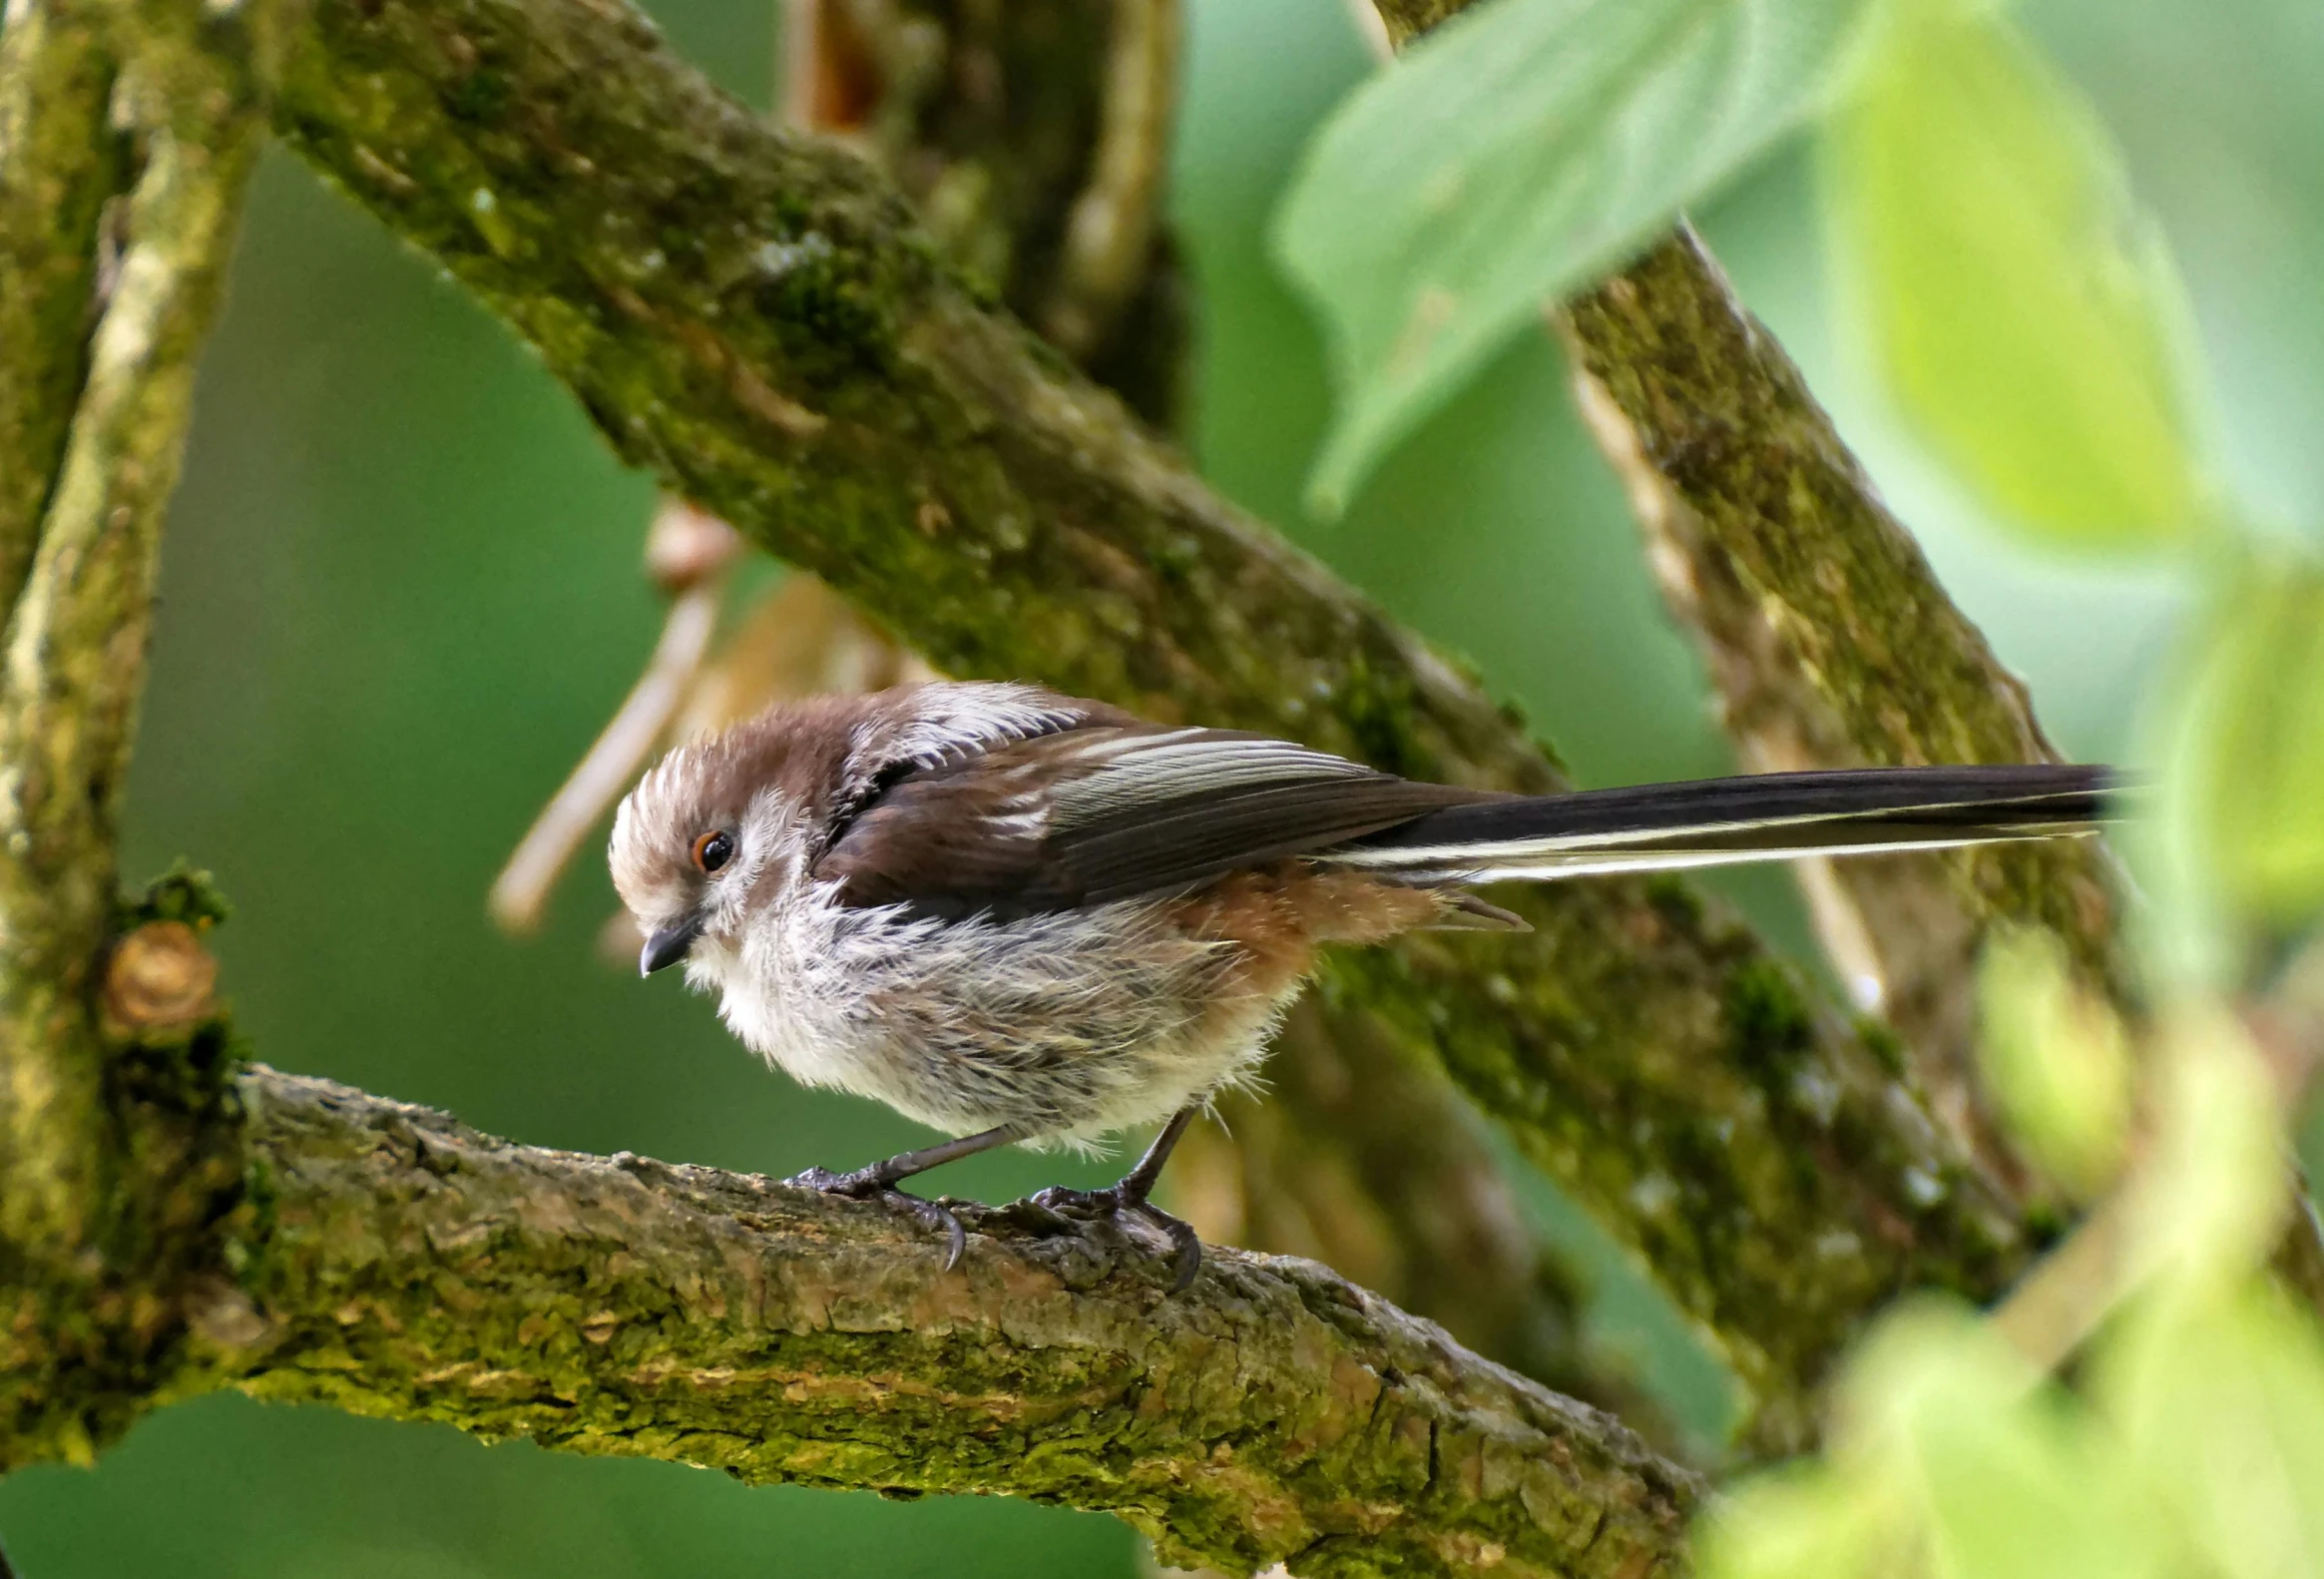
[1158, 769]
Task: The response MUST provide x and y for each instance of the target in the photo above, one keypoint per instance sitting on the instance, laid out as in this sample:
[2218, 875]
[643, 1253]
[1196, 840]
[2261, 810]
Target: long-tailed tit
[1018, 917]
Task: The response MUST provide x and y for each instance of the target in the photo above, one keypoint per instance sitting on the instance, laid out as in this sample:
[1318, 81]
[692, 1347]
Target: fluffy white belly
[1067, 1025]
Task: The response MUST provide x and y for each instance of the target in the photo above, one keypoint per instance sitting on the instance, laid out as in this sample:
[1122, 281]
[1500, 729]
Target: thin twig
[521, 891]
[1111, 230]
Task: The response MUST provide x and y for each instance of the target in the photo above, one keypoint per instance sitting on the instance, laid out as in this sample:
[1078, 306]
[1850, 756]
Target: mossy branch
[753, 314]
[74, 663]
[61, 163]
[1366, 1158]
[398, 1263]
[1833, 645]
[111, 1160]
[1831, 642]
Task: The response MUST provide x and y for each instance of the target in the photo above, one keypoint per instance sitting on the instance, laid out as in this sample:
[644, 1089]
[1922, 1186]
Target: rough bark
[398, 1263]
[74, 665]
[752, 315]
[61, 163]
[108, 1161]
[1831, 643]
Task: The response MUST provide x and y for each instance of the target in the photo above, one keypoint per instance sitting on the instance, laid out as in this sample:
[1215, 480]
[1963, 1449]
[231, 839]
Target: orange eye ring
[713, 851]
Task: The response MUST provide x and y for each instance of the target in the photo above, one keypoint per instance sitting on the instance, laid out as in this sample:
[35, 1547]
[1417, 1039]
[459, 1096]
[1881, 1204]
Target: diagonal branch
[750, 313]
[405, 1266]
[1831, 642]
[1834, 645]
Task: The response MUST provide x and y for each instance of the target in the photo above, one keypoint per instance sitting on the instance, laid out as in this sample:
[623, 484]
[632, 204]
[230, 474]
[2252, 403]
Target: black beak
[668, 946]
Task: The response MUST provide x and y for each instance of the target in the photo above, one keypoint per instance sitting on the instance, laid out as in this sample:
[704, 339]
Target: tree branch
[1832, 644]
[110, 1159]
[61, 163]
[752, 315]
[400, 1263]
[74, 665]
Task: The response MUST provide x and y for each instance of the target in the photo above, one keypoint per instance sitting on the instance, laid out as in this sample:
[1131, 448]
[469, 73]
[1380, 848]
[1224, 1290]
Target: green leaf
[2249, 755]
[2055, 1058]
[1802, 1521]
[2221, 1396]
[1510, 156]
[2004, 1472]
[2210, 1199]
[2020, 307]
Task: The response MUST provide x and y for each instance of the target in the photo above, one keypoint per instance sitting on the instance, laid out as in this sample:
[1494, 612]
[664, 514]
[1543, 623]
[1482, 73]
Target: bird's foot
[1125, 1200]
[877, 1184]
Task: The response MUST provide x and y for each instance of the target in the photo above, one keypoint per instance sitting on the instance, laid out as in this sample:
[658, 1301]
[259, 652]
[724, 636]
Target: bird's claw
[870, 1184]
[1187, 1244]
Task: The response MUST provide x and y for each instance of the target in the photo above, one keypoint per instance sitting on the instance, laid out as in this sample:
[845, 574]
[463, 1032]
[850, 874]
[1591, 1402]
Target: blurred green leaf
[2211, 1195]
[2220, 1397]
[2006, 1477]
[2055, 1058]
[1950, 1456]
[1507, 158]
[2247, 775]
[2023, 311]
[1803, 1521]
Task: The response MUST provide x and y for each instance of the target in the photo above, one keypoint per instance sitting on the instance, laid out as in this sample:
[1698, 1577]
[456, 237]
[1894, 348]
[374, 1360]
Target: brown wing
[1107, 812]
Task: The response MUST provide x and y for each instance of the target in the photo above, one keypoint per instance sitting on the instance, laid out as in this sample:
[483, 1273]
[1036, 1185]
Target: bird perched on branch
[1019, 916]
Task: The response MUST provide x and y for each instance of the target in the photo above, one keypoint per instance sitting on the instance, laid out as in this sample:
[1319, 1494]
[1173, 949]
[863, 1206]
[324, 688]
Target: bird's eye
[713, 850]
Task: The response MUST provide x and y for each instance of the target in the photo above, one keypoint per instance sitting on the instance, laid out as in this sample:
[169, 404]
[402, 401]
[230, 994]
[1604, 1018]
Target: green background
[402, 595]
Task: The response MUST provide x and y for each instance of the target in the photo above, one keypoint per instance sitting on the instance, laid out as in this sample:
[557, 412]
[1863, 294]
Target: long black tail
[1714, 821]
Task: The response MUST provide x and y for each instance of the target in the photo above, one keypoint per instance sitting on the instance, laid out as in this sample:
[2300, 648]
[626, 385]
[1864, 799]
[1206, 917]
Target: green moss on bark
[1831, 642]
[115, 1162]
[61, 163]
[412, 1268]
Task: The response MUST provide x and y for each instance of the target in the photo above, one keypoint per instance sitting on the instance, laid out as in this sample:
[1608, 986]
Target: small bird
[1024, 917]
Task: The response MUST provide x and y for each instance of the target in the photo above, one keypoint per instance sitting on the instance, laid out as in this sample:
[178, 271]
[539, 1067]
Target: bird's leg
[881, 1179]
[1132, 1195]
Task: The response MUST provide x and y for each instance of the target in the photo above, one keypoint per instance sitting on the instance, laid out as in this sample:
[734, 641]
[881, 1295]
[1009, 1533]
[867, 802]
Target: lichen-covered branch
[398, 1263]
[74, 663]
[753, 314]
[1833, 645]
[111, 1163]
[1831, 641]
[61, 163]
